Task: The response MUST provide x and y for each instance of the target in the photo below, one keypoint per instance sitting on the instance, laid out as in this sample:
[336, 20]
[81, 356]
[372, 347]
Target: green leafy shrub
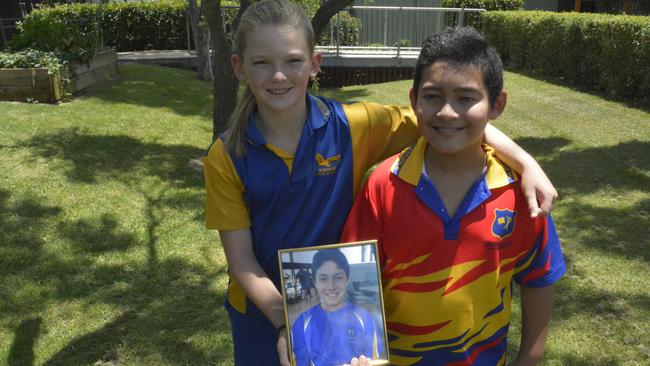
[30, 58]
[71, 31]
[78, 30]
[347, 29]
[140, 26]
[599, 51]
[474, 19]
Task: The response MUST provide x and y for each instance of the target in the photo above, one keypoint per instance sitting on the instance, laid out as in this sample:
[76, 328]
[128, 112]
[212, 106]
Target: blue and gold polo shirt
[292, 201]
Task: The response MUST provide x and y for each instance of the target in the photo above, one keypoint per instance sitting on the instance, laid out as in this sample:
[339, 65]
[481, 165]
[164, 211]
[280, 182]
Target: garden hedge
[602, 52]
[77, 28]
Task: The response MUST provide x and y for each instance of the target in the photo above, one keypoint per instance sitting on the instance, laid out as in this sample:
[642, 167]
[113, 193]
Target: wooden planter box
[36, 84]
[29, 84]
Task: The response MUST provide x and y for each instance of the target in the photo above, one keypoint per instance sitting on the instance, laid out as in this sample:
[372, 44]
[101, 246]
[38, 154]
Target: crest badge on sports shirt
[504, 223]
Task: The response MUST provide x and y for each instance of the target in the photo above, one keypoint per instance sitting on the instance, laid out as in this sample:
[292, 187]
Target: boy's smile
[452, 107]
[331, 284]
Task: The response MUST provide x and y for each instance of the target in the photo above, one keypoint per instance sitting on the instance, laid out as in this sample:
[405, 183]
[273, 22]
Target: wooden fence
[335, 77]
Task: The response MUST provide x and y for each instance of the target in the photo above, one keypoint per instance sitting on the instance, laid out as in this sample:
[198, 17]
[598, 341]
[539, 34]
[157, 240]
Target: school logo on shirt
[327, 166]
[504, 223]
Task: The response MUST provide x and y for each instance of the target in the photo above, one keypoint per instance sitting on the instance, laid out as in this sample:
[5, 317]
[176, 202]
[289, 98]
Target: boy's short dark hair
[460, 47]
[333, 255]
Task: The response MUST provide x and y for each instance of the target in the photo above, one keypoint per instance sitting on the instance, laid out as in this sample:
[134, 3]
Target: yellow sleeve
[378, 131]
[224, 192]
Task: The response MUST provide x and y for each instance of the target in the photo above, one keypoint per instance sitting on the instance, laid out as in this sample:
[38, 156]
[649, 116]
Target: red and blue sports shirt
[447, 280]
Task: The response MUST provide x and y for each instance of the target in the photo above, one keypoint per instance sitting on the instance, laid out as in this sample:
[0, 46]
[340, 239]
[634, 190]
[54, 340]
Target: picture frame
[333, 304]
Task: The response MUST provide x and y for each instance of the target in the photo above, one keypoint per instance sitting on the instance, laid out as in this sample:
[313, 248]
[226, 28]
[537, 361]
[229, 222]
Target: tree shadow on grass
[624, 166]
[615, 170]
[20, 231]
[166, 311]
[165, 303]
[92, 156]
[22, 349]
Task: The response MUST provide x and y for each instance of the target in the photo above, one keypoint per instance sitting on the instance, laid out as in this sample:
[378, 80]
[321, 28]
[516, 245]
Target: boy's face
[331, 284]
[452, 107]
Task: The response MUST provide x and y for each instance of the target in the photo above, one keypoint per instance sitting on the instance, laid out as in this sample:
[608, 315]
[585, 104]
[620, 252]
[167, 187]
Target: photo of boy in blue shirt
[334, 332]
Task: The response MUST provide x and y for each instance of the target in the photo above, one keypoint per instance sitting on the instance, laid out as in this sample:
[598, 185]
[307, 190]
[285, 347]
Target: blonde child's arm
[536, 309]
[534, 182]
[244, 267]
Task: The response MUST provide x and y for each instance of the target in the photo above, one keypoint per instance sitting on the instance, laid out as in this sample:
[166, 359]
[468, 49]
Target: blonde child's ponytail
[235, 135]
[265, 12]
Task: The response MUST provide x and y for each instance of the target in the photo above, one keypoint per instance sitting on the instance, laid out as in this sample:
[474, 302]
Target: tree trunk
[225, 84]
[201, 37]
[326, 11]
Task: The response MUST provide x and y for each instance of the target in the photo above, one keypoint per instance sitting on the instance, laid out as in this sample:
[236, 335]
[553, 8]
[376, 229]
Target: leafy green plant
[474, 19]
[346, 30]
[403, 43]
[30, 58]
[71, 31]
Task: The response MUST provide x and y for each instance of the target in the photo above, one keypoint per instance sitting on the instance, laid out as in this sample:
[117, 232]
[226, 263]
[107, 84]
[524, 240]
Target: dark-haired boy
[451, 222]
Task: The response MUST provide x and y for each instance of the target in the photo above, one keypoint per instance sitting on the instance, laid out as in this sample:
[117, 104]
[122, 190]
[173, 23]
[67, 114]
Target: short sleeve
[363, 222]
[224, 192]
[377, 132]
[544, 263]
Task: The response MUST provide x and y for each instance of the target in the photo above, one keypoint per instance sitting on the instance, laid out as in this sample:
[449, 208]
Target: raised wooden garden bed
[29, 84]
[36, 84]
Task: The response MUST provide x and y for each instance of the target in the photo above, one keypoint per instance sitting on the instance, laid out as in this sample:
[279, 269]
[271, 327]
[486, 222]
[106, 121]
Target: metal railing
[393, 25]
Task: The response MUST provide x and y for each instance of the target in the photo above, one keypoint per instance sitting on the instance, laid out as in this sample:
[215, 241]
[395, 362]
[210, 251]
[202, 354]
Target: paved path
[332, 57]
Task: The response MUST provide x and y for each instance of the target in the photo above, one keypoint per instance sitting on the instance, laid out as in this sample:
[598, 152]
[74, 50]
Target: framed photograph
[333, 304]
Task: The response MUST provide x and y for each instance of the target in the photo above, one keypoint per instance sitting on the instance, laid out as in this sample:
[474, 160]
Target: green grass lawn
[104, 256]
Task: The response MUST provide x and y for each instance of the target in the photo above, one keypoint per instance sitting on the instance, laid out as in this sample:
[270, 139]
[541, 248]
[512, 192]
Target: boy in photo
[452, 224]
[334, 332]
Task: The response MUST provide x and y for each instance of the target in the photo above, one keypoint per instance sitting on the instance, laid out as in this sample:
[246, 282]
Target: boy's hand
[537, 187]
[283, 348]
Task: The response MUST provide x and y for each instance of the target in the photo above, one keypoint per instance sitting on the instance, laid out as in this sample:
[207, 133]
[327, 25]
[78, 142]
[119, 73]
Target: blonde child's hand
[283, 348]
[537, 187]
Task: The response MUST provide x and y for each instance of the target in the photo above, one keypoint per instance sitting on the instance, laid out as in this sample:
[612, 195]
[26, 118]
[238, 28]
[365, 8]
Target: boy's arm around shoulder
[379, 131]
[537, 187]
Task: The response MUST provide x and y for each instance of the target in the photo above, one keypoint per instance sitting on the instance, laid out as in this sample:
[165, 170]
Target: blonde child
[286, 172]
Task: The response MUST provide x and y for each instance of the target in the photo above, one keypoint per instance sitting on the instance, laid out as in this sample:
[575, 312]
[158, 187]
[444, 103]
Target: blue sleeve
[544, 263]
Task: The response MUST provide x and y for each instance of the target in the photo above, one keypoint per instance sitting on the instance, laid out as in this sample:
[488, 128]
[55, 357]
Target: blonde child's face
[452, 107]
[277, 65]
